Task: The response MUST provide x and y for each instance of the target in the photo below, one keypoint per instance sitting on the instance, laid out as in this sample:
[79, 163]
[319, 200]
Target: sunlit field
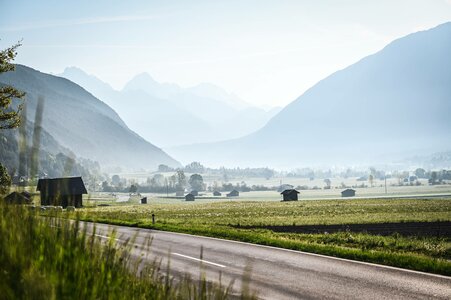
[333, 193]
[250, 220]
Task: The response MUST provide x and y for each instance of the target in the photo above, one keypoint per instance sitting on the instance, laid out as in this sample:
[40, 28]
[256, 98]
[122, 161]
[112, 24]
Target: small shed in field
[18, 198]
[67, 191]
[194, 193]
[189, 197]
[216, 193]
[233, 193]
[144, 200]
[348, 193]
[290, 195]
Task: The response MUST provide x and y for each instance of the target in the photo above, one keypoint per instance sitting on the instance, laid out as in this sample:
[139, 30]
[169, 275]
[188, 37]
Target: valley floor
[274, 223]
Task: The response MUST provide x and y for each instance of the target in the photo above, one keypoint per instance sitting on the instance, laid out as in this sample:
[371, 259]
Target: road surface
[280, 273]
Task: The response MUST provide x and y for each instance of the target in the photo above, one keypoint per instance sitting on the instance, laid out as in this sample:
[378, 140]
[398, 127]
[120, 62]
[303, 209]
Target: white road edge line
[197, 259]
[105, 236]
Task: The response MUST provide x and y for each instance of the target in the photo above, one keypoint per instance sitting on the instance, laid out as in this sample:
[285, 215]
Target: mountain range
[81, 123]
[392, 104]
[169, 115]
[388, 106]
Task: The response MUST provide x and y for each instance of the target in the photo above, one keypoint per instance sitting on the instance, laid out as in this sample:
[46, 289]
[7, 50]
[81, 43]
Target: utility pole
[385, 178]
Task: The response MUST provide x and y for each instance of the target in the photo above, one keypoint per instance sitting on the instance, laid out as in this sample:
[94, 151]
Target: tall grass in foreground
[48, 258]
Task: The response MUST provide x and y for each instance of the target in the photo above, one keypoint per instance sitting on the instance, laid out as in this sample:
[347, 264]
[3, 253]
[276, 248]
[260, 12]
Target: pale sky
[266, 52]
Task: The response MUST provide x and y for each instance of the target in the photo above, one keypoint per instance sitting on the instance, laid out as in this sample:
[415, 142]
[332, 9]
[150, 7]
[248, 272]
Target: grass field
[227, 219]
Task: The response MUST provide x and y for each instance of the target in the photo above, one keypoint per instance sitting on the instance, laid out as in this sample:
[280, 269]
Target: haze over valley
[230, 149]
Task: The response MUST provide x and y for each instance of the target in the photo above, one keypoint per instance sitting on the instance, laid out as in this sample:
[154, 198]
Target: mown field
[232, 219]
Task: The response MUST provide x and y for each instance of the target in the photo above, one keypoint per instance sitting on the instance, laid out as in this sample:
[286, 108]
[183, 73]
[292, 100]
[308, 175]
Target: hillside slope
[391, 104]
[84, 124]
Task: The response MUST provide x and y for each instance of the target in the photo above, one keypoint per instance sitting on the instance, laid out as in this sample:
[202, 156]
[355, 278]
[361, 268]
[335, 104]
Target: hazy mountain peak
[142, 81]
[212, 91]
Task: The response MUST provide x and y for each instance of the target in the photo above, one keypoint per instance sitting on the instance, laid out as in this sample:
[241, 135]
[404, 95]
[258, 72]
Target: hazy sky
[267, 52]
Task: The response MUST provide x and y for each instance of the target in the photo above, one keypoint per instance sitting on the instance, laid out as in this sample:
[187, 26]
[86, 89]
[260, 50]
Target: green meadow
[234, 219]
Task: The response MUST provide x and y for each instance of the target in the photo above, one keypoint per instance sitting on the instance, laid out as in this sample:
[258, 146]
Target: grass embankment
[41, 259]
[223, 220]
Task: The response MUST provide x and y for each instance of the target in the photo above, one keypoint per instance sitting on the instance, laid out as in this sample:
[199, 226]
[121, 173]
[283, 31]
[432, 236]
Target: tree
[106, 187]
[195, 167]
[5, 180]
[133, 189]
[196, 182]
[9, 117]
[115, 180]
[157, 180]
[164, 168]
[420, 173]
[433, 179]
[181, 180]
[328, 182]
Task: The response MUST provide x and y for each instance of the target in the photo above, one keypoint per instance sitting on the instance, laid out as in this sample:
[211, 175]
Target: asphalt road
[279, 273]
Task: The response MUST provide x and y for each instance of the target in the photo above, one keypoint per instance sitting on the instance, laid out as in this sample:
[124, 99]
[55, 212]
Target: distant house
[194, 193]
[63, 192]
[233, 193]
[189, 197]
[18, 198]
[216, 193]
[144, 200]
[348, 193]
[290, 195]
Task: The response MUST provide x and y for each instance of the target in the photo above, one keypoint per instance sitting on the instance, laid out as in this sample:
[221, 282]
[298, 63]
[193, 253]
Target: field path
[280, 273]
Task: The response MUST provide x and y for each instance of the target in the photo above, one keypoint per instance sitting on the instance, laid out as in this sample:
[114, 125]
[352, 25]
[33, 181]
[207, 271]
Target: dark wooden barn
[189, 197]
[233, 193]
[18, 198]
[63, 192]
[216, 193]
[290, 195]
[348, 193]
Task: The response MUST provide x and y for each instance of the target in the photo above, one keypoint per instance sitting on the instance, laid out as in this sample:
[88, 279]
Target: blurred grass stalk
[53, 258]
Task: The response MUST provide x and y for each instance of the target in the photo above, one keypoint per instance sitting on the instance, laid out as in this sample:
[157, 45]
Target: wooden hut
[348, 193]
[233, 193]
[63, 192]
[216, 193]
[18, 198]
[290, 195]
[189, 197]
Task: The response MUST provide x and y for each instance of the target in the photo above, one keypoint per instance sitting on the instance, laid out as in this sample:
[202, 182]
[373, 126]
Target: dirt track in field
[440, 229]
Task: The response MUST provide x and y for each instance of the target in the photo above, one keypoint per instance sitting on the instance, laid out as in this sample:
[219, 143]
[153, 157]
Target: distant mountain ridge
[169, 115]
[83, 124]
[392, 104]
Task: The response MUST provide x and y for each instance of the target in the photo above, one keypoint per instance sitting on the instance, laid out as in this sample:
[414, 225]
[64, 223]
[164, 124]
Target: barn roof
[348, 190]
[289, 191]
[62, 186]
[16, 197]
